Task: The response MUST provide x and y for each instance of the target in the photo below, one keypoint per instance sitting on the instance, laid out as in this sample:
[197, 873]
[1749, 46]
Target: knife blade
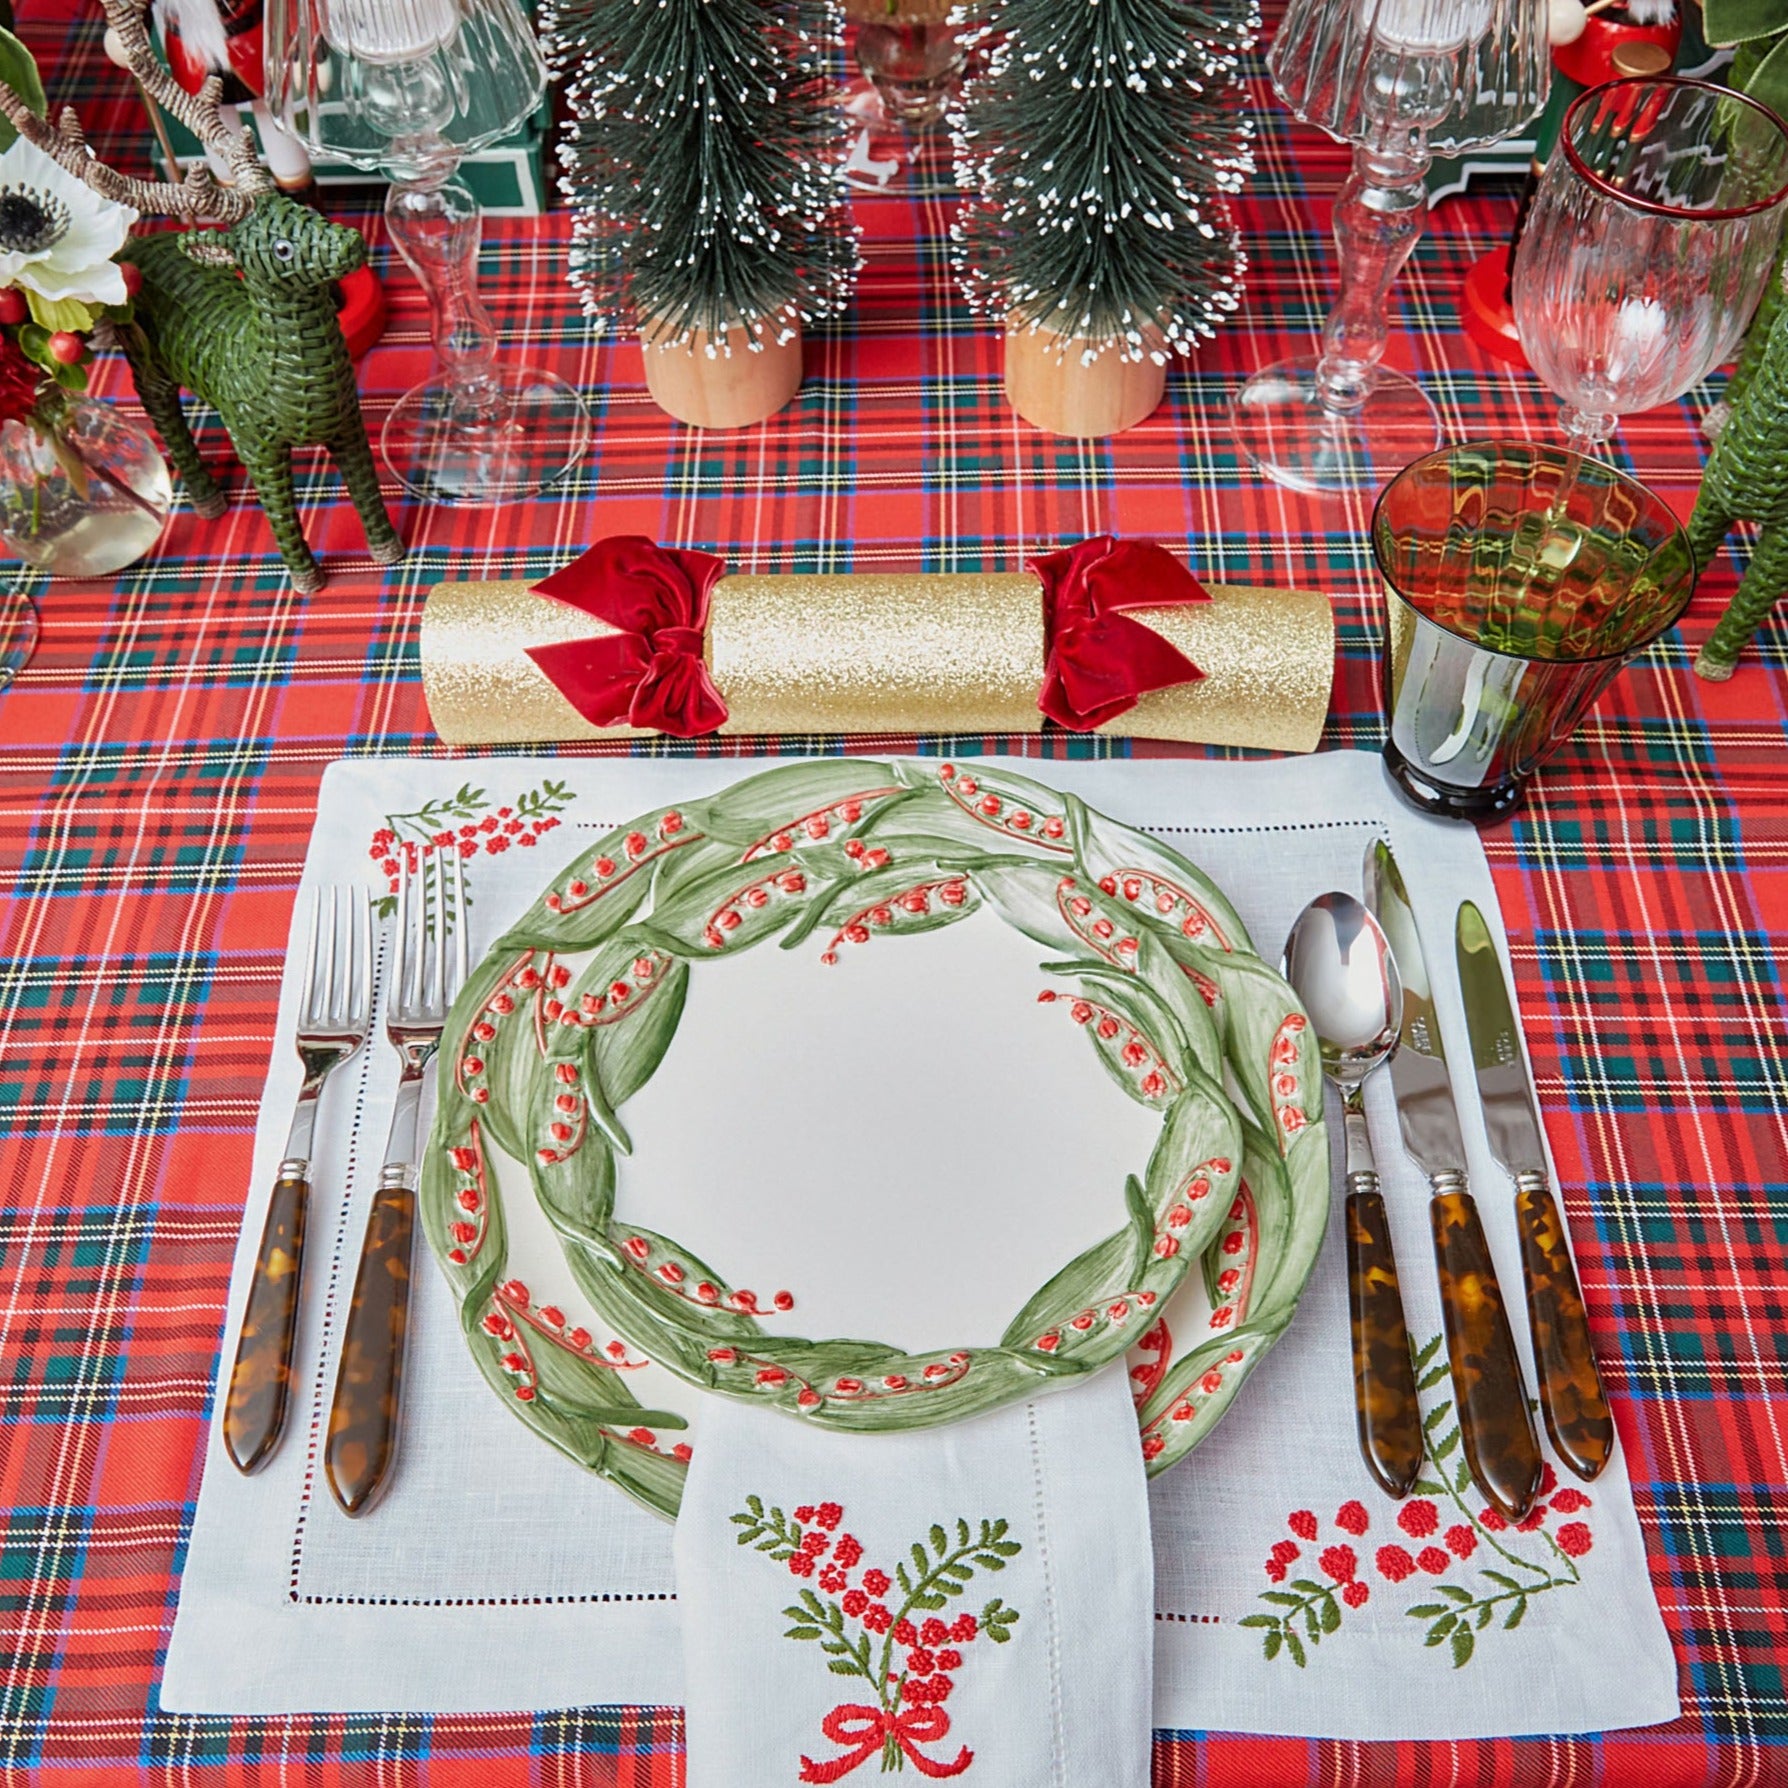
[1489, 1393]
[1571, 1394]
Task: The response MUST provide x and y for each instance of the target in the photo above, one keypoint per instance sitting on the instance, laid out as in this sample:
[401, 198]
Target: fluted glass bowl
[1519, 579]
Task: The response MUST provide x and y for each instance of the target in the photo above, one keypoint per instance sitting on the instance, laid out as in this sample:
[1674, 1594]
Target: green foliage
[703, 161]
[1742, 21]
[18, 69]
[1101, 140]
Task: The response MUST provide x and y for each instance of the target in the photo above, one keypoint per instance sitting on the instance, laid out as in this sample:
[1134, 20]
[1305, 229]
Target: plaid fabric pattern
[159, 765]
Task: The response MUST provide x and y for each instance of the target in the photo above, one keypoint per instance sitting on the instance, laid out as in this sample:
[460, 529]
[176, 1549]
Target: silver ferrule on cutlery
[1501, 1447]
[1571, 1395]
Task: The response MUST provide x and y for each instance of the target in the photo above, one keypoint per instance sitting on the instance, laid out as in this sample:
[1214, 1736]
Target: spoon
[1342, 968]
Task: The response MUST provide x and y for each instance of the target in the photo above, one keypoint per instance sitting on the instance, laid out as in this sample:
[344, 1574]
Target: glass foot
[18, 633]
[515, 432]
[1483, 806]
[1282, 427]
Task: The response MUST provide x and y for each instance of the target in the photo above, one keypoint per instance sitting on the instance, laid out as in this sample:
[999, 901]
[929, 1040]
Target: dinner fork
[334, 1015]
[363, 1416]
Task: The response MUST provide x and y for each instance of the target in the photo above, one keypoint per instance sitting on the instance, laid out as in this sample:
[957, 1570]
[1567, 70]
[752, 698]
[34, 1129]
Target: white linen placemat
[803, 1559]
[496, 1575]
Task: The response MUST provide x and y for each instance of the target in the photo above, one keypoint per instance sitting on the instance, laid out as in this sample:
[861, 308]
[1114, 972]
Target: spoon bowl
[1341, 966]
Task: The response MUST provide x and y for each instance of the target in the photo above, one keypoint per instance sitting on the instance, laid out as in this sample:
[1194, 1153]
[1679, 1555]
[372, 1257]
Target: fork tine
[459, 935]
[363, 1002]
[437, 996]
[332, 954]
[307, 1005]
[402, 938]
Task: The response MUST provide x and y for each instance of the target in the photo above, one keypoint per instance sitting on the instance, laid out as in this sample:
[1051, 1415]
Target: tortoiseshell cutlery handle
[369, 1382]
[1489, 1393]
[1384, 1387]
[1571, 1394]
[261, 1378]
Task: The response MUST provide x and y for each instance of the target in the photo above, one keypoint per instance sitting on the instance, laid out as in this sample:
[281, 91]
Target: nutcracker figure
[224, 38]
[1590, 44]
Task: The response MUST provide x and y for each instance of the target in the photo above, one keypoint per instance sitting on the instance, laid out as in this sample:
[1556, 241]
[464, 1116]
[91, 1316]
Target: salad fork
[363, 1416]
[334, 1015]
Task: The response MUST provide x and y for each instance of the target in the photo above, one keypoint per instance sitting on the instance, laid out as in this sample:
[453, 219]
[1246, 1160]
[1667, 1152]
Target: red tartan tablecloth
[159, 765]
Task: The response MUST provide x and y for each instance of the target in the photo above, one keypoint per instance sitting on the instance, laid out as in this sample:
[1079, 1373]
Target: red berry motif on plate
[1449, 1539]
[901, 848]
[899, 1653]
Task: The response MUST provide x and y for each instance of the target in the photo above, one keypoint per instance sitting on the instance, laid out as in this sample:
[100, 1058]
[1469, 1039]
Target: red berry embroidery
[1418, 1519]
[1303, 1524]
[1394, 1563]
[1352, 1518]
[1356, 1593]
[1433, 1560]
[878, 1583]
[1340, 1563]
[1575, 1539]
[1461, 1541]
[1569, 1501]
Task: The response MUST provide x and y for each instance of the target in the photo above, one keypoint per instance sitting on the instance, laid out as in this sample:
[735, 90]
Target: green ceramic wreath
[572, 1011]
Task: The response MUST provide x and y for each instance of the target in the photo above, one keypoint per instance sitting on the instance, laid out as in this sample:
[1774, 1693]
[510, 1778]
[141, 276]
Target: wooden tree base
[733, 387]
[1048, 386]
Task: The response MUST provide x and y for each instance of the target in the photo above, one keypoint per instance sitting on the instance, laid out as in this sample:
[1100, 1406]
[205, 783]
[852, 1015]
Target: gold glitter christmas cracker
[914, 652]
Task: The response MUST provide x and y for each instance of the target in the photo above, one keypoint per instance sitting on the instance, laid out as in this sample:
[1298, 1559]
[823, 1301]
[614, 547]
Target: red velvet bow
[1097, 661]
[866, 1727]
[651, 673]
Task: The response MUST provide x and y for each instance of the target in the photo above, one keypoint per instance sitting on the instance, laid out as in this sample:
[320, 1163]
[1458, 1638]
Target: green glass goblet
[1519, 580]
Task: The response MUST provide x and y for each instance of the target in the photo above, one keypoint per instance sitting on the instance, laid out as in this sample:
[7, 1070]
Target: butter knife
[1571, 1392]
[1489, 1394]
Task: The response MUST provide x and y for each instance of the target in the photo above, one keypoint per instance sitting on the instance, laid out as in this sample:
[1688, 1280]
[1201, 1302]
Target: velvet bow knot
[1098, 661]
[651, 672]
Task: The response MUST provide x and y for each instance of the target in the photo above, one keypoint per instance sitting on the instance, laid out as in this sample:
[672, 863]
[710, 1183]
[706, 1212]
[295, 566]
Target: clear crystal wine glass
[407, 88]
[1655, 226]
[1401, 80]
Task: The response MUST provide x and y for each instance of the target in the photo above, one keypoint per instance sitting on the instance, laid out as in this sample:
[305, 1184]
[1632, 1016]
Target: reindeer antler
[197, 198]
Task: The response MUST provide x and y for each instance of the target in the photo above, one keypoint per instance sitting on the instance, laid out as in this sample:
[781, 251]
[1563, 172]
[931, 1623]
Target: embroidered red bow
[856, 1723]
[1097, 660]
[651, 672]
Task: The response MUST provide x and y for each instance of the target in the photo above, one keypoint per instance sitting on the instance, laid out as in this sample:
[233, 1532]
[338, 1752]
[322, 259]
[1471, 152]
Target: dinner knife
[1489, 1394]
[1571, 1394]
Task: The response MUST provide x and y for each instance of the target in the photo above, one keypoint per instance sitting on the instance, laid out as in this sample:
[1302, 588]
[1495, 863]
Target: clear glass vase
[84, 491]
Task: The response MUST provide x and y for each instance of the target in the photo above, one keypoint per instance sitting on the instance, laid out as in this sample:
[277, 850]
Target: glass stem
[1586, 431]
[435, 223]
[1379, 216]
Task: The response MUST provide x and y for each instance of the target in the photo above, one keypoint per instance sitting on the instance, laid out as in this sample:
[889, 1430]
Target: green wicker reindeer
[243, 317]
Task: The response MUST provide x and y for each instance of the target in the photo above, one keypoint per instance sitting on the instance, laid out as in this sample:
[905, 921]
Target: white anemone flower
[57, 235]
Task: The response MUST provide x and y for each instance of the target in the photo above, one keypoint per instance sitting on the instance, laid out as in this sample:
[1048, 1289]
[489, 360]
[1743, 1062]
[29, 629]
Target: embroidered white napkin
[976, 1595]
[496, 1574]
